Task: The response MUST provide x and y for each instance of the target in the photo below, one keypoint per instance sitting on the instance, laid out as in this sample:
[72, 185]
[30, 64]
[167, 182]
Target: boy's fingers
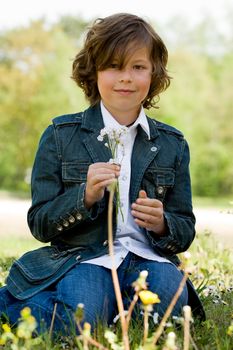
[142, 194]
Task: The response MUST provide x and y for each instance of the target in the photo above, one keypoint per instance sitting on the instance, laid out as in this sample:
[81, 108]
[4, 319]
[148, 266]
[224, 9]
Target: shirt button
[124, 178]
[118, 230]
[79, 216]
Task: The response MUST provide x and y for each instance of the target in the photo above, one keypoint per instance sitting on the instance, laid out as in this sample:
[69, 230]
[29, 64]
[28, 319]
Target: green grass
[16, 246]
[213, 276]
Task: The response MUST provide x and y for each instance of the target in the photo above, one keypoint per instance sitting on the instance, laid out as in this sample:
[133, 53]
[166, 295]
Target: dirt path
[13, 220]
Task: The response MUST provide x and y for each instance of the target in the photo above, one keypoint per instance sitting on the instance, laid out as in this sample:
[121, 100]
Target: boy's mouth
[124, 91]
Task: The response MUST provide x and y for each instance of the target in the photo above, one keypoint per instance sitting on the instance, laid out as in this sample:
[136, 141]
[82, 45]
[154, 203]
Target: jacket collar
[93, 120]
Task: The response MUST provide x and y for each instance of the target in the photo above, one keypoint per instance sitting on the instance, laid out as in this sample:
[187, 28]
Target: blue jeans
[92, 285]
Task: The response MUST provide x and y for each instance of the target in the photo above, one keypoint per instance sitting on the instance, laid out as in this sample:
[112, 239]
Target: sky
[20, 12]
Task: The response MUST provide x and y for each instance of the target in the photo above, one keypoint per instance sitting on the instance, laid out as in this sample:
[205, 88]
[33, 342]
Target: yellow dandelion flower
[2, 341]
[87, 329]
[26, 312]
[6, 328]
[148, 298]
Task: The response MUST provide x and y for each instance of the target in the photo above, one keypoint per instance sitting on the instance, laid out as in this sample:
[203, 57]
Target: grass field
[213, 278]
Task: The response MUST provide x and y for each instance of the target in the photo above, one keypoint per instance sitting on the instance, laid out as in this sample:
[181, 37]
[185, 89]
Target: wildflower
[187, 311]
[114, 138]
[187, 264]
[87, 329]
[170, 342]
[230, 329]
[7, 334]
[147, 297]
[114, 141]
[155, 318]
[140, 283]
[117, 317]
[27, 324]
[79, 314]
[25, 312]
[6, 328]
[113, 340]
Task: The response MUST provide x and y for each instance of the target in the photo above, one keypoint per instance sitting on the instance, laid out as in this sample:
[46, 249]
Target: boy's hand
[148, 213]
[99, 176]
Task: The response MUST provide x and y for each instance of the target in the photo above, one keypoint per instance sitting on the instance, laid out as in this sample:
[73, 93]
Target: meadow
[212, 277]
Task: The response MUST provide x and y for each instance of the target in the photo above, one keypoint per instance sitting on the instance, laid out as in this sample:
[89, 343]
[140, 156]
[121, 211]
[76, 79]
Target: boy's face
[123, 90]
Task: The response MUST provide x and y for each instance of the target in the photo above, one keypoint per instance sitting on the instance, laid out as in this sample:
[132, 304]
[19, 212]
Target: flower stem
[170, 308]
[146, 326]
[114, 274]
[187, 319]
[130, 310]
[53, 319]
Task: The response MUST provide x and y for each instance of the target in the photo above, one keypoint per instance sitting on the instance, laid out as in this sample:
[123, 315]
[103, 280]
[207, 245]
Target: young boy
[122, 70]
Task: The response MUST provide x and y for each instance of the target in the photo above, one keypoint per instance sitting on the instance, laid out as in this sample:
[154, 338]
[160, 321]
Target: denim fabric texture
[159, 165]
[76, 288]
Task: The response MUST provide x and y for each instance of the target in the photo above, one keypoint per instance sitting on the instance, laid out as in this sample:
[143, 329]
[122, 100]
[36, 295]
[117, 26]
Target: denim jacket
[159, 165]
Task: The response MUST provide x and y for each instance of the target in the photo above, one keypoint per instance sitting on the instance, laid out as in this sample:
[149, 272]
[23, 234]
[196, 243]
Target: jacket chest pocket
[157, 182]
[74, 172]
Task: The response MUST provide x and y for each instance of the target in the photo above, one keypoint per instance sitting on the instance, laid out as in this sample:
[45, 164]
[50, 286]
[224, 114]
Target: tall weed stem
[116, 284]
[168, 312]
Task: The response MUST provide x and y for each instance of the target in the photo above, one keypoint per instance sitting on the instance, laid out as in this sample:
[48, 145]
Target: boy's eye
[113, 65]
[139, 67]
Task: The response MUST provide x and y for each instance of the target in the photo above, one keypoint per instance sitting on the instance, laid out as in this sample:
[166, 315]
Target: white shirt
[129, 236]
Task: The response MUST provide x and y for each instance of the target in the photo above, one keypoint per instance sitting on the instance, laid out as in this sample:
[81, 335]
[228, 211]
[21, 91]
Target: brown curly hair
[119, 35]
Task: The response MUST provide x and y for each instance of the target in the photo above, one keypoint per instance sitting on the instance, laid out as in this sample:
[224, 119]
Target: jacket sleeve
[54, 208]
[178, 212]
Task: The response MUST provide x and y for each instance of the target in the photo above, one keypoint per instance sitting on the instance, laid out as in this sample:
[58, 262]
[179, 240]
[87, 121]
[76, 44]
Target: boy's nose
[125, 76]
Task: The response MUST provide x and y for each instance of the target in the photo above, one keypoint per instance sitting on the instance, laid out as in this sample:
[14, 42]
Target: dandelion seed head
[144, 273]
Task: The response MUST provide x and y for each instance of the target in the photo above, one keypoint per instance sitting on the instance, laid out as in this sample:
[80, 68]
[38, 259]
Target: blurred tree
[73, 26]
[200, 98]
[35, 66]
[35, 69]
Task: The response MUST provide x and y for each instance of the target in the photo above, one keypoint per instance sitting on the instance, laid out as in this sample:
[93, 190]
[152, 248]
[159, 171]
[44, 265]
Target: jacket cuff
[94, 211]
[166, 243]
[79, 213]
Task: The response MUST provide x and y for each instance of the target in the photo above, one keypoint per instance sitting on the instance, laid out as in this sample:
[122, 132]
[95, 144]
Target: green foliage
[35, 69]
[199, 102]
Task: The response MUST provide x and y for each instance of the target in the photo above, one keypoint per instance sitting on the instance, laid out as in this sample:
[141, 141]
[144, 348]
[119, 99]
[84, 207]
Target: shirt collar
[110, 121]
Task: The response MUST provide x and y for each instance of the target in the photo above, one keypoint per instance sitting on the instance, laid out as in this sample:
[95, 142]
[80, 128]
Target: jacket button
[153, 149]
[59, 228]
[65, 223]
[71, 219]
[105, 243]
[79, 216]
[160, 189]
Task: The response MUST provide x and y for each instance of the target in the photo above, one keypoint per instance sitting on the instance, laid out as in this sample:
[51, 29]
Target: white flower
[117, 317]
[156, 318]
[100, 138]
[113, 139]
